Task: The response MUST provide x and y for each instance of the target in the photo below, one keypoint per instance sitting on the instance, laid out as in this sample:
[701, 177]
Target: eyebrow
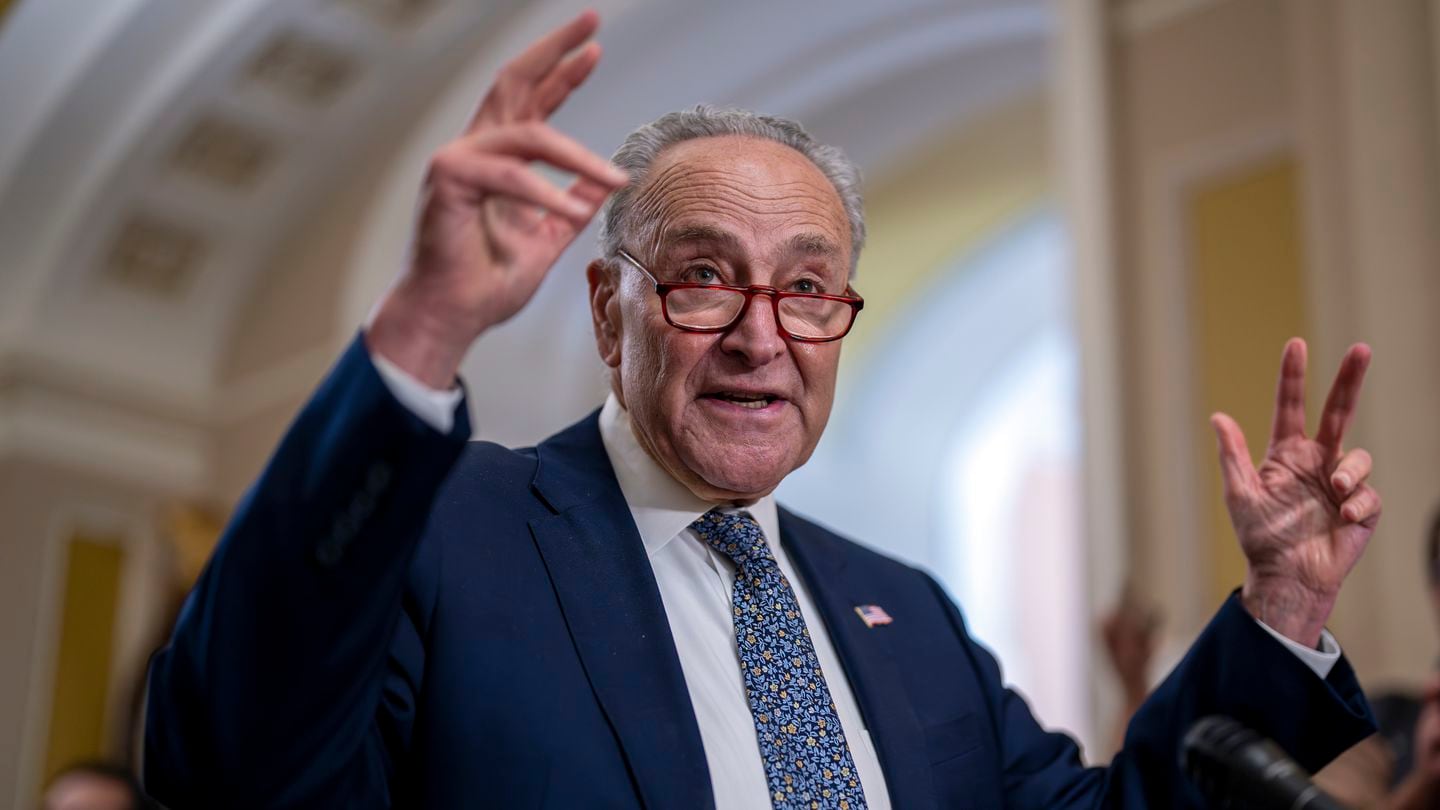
[814, 245]
[699, 233]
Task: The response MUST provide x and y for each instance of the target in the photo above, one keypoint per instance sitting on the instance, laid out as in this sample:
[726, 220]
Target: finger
[1290, 393]
[476, 176]
[589, 191]
[571, 73]
[542, 57]
[592, 196]
[1236, 468]
[1353, 469]
[512, 93]
[1362, 507]
[539, 141]
[1340, 404]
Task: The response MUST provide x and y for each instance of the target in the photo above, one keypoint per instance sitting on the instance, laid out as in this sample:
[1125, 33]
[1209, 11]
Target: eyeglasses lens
[701, 308]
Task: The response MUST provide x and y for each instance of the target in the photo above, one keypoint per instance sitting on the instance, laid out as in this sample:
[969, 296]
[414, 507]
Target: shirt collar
[661, 506]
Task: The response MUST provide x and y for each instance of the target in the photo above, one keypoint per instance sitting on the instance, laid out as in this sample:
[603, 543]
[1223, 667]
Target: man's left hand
[1305, 515]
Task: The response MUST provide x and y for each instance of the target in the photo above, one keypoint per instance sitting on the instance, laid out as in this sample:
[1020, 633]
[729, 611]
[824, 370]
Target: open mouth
[752, 401]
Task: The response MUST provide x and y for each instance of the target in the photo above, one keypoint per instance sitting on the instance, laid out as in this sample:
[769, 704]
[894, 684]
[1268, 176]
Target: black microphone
[1237, 768]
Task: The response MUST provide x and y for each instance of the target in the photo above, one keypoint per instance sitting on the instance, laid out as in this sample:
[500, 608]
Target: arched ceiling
[154, 153]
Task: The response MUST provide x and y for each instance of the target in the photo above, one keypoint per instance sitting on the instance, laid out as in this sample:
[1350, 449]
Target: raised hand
[490, 226]
[1305, 515]
[1130, 632]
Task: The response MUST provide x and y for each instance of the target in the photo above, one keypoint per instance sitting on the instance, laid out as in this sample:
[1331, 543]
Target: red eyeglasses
[808, 317]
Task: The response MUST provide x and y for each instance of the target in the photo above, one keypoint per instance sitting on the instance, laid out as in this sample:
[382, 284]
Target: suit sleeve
[1234, 668]
[292, 671]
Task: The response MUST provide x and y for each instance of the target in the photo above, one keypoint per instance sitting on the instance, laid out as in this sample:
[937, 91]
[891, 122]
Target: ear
[605, 310]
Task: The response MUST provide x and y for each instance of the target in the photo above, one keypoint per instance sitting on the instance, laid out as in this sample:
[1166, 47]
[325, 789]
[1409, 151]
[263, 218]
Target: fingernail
[1342, 482]
[1348, 512]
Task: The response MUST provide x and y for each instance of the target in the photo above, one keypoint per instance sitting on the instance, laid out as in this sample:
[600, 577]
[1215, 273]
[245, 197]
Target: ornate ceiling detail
[394, 13]
[155, 256]
[151, 171]
[224, 152]
[304, 69]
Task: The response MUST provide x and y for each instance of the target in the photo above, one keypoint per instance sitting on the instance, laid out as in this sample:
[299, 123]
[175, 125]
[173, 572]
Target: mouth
[748, 400]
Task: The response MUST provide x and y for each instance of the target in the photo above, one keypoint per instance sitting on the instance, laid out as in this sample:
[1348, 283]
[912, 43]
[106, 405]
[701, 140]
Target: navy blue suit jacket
[399, 618]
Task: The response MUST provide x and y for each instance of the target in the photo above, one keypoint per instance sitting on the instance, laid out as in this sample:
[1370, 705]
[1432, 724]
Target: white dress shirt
[695, 582]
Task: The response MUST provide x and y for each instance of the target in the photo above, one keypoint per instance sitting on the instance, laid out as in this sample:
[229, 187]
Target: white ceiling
[95, 98]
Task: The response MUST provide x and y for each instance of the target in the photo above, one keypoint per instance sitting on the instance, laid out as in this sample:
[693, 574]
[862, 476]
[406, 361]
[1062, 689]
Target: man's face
[737, 211]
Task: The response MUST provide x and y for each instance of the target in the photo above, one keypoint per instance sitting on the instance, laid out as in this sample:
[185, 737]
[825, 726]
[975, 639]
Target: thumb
[1236, 469]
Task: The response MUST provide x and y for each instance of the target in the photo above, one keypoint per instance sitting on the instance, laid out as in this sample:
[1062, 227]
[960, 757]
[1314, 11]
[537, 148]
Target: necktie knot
[734, 534]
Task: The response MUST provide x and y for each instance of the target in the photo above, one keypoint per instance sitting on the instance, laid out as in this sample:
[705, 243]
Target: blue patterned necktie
[807, 761]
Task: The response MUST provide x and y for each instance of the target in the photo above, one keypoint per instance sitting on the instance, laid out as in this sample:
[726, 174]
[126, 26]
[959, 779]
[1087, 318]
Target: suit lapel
[869, 664]
[617, 621]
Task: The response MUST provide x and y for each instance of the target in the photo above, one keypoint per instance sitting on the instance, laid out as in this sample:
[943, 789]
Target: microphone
[1235, 767]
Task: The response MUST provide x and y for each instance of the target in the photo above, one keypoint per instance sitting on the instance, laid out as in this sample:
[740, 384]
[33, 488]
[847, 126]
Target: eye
[701, 274]
[807, 285]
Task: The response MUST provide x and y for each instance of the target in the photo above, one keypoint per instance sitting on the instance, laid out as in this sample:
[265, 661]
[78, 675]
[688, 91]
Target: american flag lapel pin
[872, 615]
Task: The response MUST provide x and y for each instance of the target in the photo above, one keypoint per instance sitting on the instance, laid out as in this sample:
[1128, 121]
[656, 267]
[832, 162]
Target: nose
[756, 337]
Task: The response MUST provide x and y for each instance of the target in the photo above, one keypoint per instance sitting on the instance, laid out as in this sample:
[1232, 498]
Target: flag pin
[872, 615]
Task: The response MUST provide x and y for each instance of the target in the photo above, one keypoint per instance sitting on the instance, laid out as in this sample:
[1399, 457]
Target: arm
[267, 694]
[1302, 518]
[293, 670]
[1234, 668]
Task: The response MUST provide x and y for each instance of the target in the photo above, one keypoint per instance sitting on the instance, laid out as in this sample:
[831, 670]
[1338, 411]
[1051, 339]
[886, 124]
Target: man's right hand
[490, 226]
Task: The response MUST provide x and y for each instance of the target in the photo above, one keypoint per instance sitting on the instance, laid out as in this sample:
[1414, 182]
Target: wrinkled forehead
[748, 195]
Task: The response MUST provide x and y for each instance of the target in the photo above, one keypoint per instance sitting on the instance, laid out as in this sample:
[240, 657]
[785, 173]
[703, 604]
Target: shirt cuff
[1320, 661]
[434, 408]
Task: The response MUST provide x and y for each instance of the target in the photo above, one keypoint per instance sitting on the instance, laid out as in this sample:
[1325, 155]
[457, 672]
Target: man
[622, 616]
[94, 786]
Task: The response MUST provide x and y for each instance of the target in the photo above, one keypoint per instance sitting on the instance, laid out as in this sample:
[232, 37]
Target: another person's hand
[1305, 515]
[490, 226]
[1427, 735]
[1421, 789]
[1130, 631]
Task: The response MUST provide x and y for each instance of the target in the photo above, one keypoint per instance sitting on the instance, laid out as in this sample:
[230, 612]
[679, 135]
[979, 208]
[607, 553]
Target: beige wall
[1344, 92]
[1385, 288]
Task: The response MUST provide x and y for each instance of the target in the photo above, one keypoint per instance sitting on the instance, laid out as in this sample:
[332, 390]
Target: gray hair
[641, 147]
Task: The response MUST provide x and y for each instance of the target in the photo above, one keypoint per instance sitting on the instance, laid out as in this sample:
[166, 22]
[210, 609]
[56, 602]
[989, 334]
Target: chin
[743, 472]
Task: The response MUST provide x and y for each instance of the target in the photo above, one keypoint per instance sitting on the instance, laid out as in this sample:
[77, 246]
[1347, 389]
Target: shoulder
[493, 463]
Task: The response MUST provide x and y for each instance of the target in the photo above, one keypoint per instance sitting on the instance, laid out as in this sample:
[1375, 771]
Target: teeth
[751, 401]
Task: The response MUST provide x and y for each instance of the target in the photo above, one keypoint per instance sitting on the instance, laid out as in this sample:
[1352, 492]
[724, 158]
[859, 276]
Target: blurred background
[1092, 222]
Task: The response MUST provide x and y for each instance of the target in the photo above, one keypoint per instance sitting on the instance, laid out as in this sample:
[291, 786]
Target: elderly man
[622, 616]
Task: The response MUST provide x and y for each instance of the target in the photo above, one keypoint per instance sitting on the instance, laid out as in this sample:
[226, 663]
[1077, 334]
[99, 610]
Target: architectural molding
[1082, 138]
[54, 426]
[73, 518]
[1168, 327]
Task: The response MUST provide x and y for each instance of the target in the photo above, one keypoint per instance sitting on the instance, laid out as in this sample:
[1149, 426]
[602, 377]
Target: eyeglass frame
[664, 288]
